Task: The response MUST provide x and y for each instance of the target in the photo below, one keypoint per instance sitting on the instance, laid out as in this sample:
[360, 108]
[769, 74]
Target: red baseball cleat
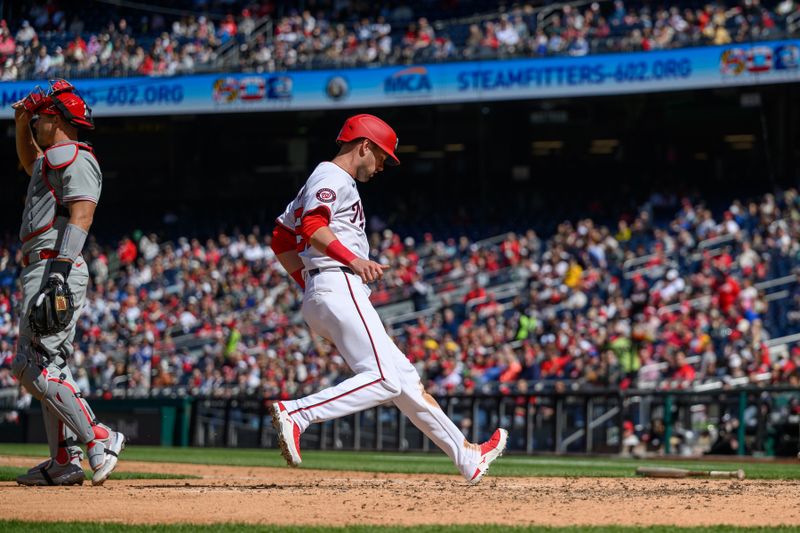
[288, 434]
[490, 450]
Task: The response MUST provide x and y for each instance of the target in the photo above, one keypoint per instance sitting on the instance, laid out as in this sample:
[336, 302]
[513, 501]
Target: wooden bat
[659, 471]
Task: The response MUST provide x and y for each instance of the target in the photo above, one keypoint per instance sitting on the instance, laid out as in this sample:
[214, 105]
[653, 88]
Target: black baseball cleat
[50, 473]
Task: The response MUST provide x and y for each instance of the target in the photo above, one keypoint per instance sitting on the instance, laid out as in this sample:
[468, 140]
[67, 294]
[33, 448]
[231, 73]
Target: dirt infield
[313, 497]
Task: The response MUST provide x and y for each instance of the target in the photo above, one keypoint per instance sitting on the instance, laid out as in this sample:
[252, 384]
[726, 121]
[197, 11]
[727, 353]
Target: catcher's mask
[63, 99]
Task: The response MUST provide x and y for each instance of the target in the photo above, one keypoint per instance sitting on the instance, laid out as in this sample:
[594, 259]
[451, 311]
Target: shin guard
[47, 385]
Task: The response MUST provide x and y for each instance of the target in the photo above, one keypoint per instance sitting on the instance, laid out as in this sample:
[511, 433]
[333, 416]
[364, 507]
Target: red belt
[38, 255]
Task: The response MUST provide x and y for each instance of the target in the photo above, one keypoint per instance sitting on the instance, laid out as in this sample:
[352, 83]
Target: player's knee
[391, 388]
[27, 372]
[18, 365]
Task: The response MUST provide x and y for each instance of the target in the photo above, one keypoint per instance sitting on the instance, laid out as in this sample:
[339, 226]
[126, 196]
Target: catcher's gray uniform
[67, 172]
[72, 174]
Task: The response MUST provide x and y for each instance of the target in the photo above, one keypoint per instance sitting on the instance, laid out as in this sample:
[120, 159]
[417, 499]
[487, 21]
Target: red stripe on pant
[374, 351]
[336, 397]
[76, 397]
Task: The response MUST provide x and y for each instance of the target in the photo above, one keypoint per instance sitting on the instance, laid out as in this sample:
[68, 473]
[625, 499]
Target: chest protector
[43, 204]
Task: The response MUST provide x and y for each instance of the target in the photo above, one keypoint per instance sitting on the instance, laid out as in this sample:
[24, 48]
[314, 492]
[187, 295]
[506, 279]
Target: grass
[10, 473]
[433, 463]
[84, 527]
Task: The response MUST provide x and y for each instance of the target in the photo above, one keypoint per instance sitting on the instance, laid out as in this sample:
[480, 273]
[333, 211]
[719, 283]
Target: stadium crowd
[44, 41]
[643, 304]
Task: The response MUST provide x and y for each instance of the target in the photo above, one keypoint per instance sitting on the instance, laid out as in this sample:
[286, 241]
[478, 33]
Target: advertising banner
[456, 82]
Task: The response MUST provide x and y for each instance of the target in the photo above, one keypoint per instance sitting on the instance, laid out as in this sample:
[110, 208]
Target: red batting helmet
[372, 128]
[64, 99]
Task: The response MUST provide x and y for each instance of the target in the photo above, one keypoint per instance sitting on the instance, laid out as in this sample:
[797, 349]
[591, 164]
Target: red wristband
[297, 275]
[338, 251]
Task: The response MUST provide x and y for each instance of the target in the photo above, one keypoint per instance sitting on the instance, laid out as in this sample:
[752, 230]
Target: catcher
[62, 195]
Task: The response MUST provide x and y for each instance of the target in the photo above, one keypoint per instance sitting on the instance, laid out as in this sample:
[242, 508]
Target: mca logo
[412, 80]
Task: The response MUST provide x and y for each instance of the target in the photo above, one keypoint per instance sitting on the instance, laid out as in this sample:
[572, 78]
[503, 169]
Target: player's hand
[21, 115]
[367, 270]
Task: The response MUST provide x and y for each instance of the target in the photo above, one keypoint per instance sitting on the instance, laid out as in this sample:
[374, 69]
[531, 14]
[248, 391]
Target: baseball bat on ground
[658, 471]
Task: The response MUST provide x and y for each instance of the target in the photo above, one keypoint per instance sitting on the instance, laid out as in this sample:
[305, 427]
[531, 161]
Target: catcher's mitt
[52, 308]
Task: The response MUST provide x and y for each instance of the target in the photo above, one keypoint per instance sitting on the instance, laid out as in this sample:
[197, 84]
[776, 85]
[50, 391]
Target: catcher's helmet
[62, 98]
[375, 130]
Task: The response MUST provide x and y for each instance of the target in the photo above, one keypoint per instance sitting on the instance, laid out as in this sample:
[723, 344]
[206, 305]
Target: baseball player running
[62, 195]
[320, 241]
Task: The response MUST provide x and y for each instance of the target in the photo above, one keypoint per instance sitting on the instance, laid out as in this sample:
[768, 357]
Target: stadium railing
[554, 422]
[713, 246]
[793, 22]
[229, 53]
[546, 14]
[762, 420]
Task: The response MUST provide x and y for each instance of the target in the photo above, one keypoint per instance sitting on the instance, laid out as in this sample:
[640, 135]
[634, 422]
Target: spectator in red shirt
[7, 44]
[684, 372]
[728, 293]
[127, 252]
[490, 41]
[76, 49]
[228, 27]
[148, 65]
[512, 370]
[511, 250]
[553, 366]
[476, 291]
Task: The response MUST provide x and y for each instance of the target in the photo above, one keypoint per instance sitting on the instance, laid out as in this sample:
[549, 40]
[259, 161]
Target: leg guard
[53, 429]
[69, 439]
[47, 385]
[106, 445]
